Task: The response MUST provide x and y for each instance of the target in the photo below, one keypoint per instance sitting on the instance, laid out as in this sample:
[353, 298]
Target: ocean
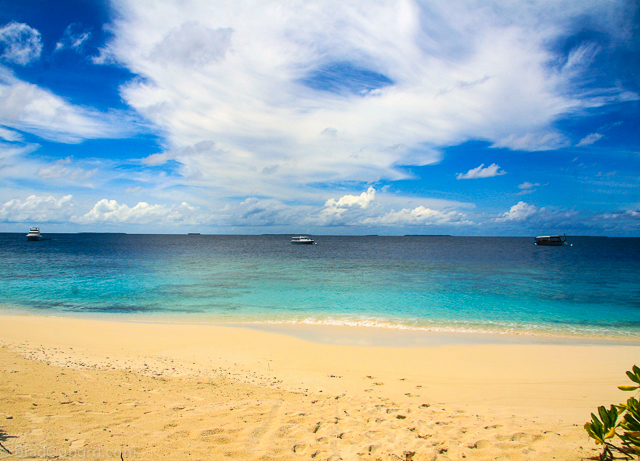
[587, 289]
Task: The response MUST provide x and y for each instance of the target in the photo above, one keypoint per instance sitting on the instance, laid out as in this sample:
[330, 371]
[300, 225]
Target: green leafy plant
[619, 422]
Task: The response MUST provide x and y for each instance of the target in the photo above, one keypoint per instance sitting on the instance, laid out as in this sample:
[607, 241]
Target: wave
[489, 327]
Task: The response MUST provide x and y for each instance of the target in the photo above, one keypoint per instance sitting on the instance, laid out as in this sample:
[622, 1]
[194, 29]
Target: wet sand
[93, 389]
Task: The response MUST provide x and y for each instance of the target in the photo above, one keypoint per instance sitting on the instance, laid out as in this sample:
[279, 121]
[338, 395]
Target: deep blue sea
[590, 288]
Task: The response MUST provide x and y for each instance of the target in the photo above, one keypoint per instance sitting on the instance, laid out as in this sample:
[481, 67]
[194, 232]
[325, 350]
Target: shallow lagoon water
[448, 284]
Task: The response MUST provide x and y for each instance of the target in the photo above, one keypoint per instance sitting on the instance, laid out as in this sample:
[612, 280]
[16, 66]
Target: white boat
[551, 240]
[34, 234]
[302, 240]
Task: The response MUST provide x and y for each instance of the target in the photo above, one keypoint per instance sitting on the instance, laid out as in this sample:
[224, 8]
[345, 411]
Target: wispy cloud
[10, 135]
[330, 92]
[528, 185]
[73, 38]
[482, 172]
[19, 44]
[539, 141]
[30, 108]
[62, 169]
[527, 188]
[589, 139]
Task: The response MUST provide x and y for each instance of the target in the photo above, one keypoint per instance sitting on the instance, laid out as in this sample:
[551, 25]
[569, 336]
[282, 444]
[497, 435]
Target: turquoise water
[465, 284]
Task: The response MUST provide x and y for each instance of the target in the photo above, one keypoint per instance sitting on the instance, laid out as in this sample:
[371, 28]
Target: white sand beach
[95, 389]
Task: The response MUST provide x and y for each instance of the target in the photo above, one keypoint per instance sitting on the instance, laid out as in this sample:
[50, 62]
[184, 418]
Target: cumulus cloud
[347, 209]
[332, 91]
[520, 212]
[418, 216]
[19, 44]
[363, 200]
[73, 38]
[110, 211]
[590, 139]
[482, 172]
[35, 209]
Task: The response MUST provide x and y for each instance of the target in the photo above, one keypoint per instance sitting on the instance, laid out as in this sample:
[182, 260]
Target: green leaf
[594, 432]
[597, 425]
[628, 388]
[604, 416]
[635, 377]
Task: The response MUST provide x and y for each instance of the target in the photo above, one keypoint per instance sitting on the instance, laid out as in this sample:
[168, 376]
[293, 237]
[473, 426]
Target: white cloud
[539, 141]
[237, 76]
[73, 38]
[527, 188]
[347, 209]
[266, 212]
[363, 200]
[37, 209]
[206, 148]
[15, 150]
[354, 211]
[193, 44]
[61, 169]
[590, 139]
[418, 216]
[10, 135]
[20, 44]
[27, 107]
[110, 211]
[481, 172]
[520, 212]
[528, 185]
[627, 214]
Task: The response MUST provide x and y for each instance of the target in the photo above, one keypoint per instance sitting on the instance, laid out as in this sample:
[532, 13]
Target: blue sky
[329, 117]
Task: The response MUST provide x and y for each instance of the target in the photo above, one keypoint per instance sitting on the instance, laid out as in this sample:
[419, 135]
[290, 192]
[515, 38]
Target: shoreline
[365, 328]
[481, 400]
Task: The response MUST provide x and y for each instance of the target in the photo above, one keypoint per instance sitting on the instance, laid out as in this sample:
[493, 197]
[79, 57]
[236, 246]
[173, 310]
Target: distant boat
[551, 240]
[302, 240]
[34, 234]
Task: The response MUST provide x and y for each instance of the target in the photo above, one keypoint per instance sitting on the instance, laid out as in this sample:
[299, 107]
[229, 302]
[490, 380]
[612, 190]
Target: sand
[97, 389]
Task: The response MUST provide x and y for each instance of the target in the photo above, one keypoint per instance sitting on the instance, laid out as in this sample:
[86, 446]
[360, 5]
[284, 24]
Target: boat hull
[551, 240]
[551, 244]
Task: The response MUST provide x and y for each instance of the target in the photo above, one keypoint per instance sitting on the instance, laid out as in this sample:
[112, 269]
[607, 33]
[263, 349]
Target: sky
[459, 117]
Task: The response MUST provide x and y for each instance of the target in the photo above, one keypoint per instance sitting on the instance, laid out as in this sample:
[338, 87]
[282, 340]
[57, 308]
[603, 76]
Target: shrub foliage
[618, 428]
